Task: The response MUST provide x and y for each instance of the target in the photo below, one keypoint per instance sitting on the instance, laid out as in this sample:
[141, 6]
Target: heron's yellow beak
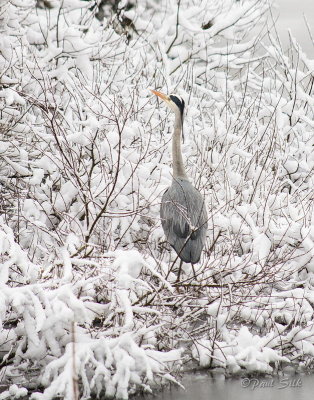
[164, 97]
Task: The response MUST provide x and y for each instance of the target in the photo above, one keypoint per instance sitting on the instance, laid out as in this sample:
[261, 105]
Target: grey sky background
[291, 17]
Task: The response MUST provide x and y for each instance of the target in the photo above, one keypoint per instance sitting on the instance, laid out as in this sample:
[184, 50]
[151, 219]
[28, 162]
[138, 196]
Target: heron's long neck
[178, 166]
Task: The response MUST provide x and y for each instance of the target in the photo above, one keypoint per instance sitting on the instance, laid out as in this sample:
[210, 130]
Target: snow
[87, 281]
[14, 392]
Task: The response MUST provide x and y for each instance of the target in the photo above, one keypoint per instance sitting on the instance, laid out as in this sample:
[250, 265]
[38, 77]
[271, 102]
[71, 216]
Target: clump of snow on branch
[88, 294]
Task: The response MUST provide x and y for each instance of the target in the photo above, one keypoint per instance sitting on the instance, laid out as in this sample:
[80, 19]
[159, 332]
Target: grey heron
[183, 212]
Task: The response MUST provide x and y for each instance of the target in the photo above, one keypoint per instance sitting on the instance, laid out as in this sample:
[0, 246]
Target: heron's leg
[193, 271]
[179, 272]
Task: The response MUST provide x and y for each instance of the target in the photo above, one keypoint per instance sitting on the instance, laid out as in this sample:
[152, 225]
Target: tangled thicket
[87, 295]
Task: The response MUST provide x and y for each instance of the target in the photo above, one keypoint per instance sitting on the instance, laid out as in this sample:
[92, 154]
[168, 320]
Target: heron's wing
[199, 219]
[172, 214]
[182, 230]
[196, 210]
[184, 220]
[180, 214]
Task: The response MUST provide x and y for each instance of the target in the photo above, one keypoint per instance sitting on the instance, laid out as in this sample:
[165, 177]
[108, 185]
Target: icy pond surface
[201, 386]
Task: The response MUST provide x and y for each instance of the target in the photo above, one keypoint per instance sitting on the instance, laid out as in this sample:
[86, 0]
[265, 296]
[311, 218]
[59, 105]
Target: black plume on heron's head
[178, 101]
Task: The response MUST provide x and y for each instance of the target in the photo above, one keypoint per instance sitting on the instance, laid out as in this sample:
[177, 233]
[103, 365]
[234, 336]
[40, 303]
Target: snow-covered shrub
[87, 300]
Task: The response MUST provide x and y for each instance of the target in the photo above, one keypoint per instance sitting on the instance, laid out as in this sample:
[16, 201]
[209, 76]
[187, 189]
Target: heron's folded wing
[182, 230]
[173, 217]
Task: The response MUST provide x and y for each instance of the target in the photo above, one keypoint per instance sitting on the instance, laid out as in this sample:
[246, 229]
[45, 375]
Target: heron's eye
[178, 102]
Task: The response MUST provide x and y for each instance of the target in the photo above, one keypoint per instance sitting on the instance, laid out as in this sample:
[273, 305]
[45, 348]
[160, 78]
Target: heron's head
[176, 103]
